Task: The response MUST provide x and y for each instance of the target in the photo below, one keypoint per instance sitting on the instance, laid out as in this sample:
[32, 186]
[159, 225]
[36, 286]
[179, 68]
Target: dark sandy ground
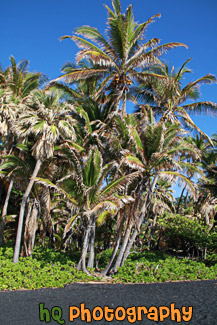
[22, 307]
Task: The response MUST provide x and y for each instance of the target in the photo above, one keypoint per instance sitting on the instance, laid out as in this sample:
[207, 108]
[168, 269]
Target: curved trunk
[123, 248]
[115, 250]
[146, 204]
[130, 243]
[22, 210]
[141, 217]
[4, 210]
[6, 143]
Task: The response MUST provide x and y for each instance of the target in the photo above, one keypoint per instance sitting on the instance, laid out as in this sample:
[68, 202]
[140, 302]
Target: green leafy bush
[47, 268]
[156, 267]
[50, 268]
[181, 232]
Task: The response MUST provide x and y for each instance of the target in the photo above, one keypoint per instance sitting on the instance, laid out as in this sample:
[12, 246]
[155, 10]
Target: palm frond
[139, 31]
[119, 184]
[189, 122]
[150, 57]
[133, 162]
[202, 107]
[70, 224]
[117, 6]
[181, 70]
[209, 78]
[80, 74]
[49, 184]
[94, 35]
[186, 180]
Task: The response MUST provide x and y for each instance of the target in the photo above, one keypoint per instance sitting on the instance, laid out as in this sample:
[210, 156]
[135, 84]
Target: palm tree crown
[167, 96]
[120, 56]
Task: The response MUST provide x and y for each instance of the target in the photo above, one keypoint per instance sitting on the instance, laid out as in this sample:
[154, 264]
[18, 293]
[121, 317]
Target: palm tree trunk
[31, 225]
[82, 262]
[22, 210]
[131, 241]
[123, 248]
[146, 204]
[92, 243]
[45, 204]
[123, 108]
[4, 210]
[141, 218]
[0, 192]
[6, 142]
[180, 199]
[115, 250]
[152, 229]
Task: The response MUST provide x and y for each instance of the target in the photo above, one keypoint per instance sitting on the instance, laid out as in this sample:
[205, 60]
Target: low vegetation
[48, 268]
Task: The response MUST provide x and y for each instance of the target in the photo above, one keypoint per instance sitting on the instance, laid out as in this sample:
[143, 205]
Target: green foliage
[47, 268]
[104, 257]
[190, 232]
[156, 267]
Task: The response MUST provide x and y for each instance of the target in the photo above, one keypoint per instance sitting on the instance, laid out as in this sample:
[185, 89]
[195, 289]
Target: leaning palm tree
[155, 151]
[119, 57]
[16, 84]
[47, 120]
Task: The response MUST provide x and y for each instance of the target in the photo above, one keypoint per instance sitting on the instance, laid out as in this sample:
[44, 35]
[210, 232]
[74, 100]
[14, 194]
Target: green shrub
[50, 268]
[180, 232]
[47, 268]
[156, 267]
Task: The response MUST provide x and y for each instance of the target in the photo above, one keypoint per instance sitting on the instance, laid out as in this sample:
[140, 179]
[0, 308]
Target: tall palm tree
[47, 120]
[16, 84]
[119, 57]
[155, 151]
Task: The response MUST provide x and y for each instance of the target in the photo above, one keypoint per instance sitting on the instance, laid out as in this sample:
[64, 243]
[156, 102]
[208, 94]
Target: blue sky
[31, 30]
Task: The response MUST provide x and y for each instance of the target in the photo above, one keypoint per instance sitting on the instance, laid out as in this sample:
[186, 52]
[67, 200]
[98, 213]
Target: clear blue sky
[31, 29]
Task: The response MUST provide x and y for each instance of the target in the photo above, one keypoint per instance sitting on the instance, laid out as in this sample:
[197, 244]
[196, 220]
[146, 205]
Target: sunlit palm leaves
[117, 57]
[168, 97]
[49, 120]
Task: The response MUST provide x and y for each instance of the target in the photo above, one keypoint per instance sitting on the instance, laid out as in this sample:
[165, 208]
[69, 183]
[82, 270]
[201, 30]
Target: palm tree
[168, 97]
[155, 151]
[119, 57]
[91, 200]
[209, 161]
[16, 84]
[49, 120]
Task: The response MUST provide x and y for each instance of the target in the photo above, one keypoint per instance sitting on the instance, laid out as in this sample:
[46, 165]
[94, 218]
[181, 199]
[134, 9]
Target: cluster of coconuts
[121, 81]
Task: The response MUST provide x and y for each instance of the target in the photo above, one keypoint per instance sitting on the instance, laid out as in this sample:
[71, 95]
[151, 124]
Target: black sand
[22, 307]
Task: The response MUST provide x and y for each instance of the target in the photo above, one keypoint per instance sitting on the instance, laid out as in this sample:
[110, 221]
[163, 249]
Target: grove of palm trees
[87, 187]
